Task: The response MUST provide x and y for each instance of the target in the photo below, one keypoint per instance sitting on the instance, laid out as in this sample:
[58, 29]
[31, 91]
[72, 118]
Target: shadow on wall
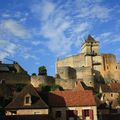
[98, 77]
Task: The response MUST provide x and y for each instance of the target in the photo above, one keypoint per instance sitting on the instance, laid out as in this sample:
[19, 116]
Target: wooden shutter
[91, 114]
[83, 115]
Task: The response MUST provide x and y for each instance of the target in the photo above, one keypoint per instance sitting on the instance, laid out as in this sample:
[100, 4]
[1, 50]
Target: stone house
[27, 102]
[13, 74]
[76, 104]
[109, 92]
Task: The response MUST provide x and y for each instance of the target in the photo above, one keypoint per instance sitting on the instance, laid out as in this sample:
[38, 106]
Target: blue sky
[37, 32]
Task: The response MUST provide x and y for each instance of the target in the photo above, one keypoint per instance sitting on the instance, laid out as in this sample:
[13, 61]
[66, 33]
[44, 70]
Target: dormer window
[27, 99]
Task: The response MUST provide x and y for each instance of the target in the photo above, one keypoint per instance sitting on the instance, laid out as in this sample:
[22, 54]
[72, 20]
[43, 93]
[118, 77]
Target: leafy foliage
[42, 70]
[46, 88]
[33, 74]
[118, 99]
[98, 95]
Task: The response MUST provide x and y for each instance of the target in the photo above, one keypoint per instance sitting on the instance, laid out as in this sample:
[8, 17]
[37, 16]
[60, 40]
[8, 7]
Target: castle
[90, 66]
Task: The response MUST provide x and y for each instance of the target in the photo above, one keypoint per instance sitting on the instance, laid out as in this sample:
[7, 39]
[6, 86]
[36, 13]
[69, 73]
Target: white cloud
[65, 25]
[14, 28]
[36, 42]
[82, 27]
[108, 37]
[46, 7]
[6, 15]
[8, 50]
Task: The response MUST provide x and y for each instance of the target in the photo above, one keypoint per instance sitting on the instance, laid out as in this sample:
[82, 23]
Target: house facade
[109, 92]
[27, 102]
[13, 74]
[72, 105]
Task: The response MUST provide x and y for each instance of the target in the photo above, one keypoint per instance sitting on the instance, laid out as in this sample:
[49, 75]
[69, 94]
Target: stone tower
[90, 46]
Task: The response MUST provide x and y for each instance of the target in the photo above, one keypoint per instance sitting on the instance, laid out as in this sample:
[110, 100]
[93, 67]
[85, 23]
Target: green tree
[42, 70]
[118, 99]
[33, 74]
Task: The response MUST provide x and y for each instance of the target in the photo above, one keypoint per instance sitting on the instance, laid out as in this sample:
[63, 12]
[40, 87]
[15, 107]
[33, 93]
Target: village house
[73, 104]
[27, 102]
[109, 91]
[13, 74]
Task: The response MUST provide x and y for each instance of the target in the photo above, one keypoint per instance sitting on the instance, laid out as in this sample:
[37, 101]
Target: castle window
[107, 67]
[111, 95]
[116, 67]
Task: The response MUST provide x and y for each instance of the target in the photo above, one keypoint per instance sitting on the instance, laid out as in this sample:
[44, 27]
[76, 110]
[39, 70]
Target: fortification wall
[85, 73]
[73, 61]
[111, 69]
[66, 72]
[39, 80]
[66, 84]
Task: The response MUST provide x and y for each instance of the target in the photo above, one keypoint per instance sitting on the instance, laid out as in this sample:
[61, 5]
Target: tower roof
[90, 39]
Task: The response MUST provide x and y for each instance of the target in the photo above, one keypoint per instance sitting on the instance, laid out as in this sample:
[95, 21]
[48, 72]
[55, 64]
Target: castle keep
[90, 66]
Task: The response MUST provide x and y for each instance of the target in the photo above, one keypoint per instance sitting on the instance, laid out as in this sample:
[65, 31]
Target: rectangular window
[58, 114]
[27, 100]
[86, 113]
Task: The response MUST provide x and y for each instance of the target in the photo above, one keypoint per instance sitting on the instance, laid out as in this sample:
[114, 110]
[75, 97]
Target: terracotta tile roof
[18, 101]
[112, 87]
[105, 88]
[115, 87]
[71, 98]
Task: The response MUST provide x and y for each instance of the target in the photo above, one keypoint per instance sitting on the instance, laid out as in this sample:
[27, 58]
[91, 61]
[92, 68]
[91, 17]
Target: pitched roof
[71, 98]
[112, 87]
[115, 87]
[5, 90]
[90, 39]
[105, 88]
[18, 101]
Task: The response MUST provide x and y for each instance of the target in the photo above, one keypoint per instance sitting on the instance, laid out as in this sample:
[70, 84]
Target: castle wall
[40, 80]
[66, 84]
[111, 69]
[85, 73]
[67, 72]
[73, 61]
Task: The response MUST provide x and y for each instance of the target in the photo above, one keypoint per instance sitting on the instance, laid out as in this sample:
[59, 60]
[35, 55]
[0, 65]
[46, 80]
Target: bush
[46, 88]
[118, 99]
